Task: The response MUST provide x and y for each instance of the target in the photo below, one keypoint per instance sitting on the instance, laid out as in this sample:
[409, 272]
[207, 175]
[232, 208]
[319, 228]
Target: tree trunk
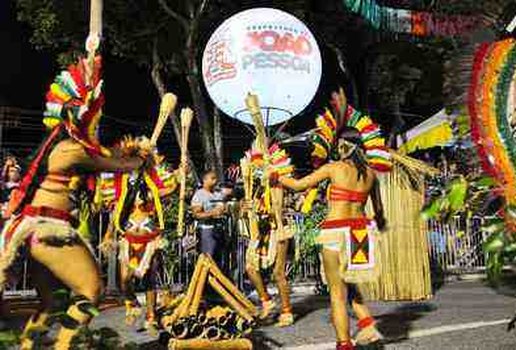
[204, 121]
[217, 140]
[398, 122]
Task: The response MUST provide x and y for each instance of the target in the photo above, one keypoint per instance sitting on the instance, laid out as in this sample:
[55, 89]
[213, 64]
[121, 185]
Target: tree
[155, 34]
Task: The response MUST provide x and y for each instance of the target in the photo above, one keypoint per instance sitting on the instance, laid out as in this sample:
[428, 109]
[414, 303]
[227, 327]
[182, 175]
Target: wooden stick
[182, 309]
[186, 121]
[168, 103]
[214, 269]
[230, 299]
[199, 290]
[207, 344]
[253, 106]
[93, 39]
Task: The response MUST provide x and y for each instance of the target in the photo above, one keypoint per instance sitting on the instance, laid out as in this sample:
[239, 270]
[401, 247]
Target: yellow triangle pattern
[360, 257]
[360, 235]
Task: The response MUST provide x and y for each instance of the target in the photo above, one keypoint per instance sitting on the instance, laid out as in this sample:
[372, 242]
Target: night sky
[131, 100]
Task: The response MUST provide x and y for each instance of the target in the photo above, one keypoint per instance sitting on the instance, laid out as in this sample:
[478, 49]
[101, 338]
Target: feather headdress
[75, 100]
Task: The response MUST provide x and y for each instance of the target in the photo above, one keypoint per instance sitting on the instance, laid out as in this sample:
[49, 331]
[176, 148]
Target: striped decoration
[77, 104]
[416, 23]
[377, 153]
[278, 160]
[493, 73]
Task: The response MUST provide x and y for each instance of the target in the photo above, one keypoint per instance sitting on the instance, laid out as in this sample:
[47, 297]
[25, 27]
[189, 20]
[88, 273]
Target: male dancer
[42, 222]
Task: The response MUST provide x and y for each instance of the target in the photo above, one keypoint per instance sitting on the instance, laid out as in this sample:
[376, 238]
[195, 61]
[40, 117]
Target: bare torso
[67, 159]
[344, 174]
[63, 160]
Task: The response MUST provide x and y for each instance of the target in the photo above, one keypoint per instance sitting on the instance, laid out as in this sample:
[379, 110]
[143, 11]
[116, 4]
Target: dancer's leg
[132, 310]
[286, 317]
[338, 295]
[46, 285]
[75, 267]
[256, 279]
[367, 331]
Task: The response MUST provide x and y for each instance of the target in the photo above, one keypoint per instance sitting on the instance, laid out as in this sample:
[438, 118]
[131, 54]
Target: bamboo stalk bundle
[239, 296]
[228, 298]
[182, 309]
[403, 248]
[200, 344]
[199, 290]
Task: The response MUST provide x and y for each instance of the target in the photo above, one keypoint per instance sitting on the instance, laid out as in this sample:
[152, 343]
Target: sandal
[286, 319]
[267, 307]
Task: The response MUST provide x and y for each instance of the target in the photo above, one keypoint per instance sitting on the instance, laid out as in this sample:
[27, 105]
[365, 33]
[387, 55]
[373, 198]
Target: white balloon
[267, 52]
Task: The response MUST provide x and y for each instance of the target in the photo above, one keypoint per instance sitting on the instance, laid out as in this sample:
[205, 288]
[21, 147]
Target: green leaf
[494, 243]
[494, 227]
[485, 182]
[432, 209]
[457, 194]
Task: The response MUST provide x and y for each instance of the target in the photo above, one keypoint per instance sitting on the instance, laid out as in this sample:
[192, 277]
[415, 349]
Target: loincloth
[35, 225]
[137, 251]
[355, 240]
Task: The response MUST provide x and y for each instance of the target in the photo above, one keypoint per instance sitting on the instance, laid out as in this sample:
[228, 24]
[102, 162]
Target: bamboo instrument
[183, 306]
[253, 106]
[186, 121]
[199, 289]
[230, 299]
[206, 344]
[168, 103]
[231, 287]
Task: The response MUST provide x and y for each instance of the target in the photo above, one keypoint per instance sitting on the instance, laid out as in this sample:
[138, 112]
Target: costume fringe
[403, 247]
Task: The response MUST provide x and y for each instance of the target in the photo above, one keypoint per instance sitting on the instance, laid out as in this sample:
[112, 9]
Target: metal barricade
[456, 246]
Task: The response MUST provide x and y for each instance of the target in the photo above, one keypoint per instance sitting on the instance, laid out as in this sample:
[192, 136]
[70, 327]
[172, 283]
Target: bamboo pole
[230, 299]
[186, 121]
[207, 344]
[199, 290]
[94, 35]
[183, 306]
[231, 287]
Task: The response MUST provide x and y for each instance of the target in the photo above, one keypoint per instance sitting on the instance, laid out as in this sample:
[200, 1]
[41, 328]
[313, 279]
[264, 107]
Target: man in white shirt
[208, 208]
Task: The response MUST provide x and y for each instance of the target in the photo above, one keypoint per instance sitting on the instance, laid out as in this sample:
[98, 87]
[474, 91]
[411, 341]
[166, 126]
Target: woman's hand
[381, 223]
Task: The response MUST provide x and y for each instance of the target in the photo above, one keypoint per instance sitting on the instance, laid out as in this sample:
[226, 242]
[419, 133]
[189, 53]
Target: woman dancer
[139, 217]
[347, 235]
[274, 238]
[42, 224]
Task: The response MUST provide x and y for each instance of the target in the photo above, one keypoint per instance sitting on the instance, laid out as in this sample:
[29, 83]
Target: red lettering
[271, 41]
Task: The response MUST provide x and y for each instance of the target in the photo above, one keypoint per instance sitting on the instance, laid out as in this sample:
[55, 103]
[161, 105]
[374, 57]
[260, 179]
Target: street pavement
[466, 315]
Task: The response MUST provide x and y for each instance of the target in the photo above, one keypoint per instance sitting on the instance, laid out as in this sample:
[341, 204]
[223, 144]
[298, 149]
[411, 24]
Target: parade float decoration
[267, 52]
[416, 23]
[491, 194]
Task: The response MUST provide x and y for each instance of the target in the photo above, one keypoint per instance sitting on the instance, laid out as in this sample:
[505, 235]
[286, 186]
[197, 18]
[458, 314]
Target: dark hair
[352, 135]
[207, 172]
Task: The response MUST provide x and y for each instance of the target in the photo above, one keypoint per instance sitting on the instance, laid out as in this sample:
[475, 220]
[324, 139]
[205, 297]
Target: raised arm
[311, 180]
[70, 154]
[116, 162]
